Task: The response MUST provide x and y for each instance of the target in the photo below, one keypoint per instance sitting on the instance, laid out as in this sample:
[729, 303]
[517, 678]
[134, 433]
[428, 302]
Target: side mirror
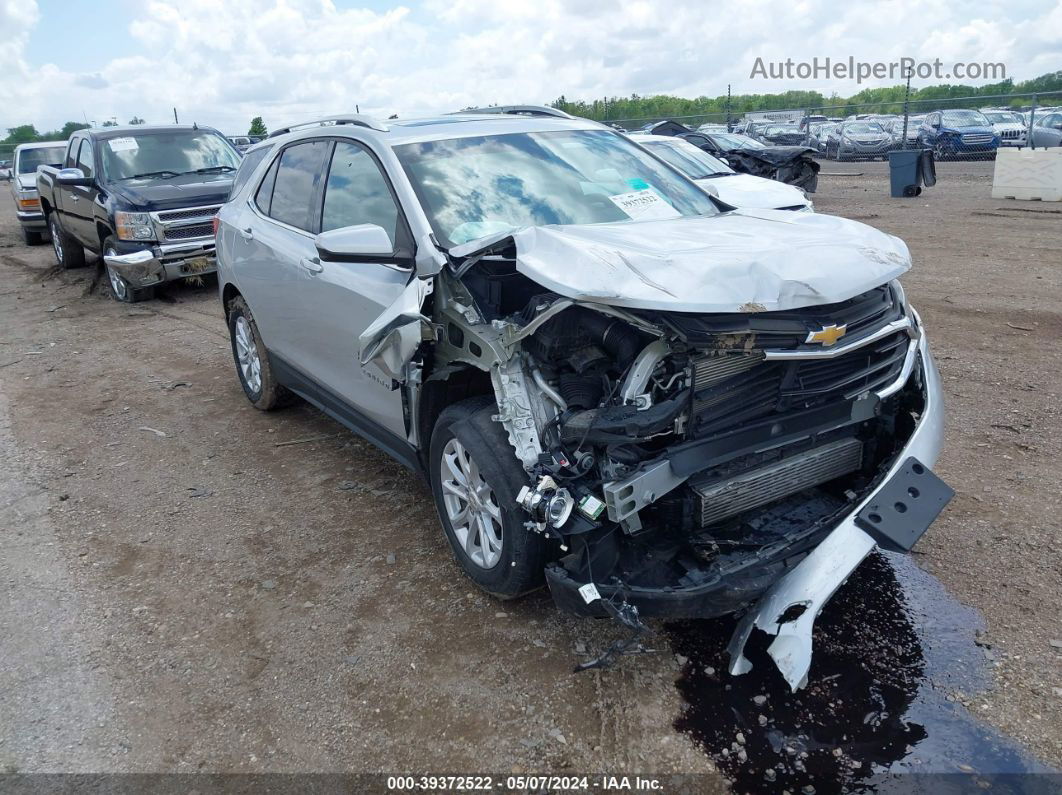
[73, 177]
[355, 243]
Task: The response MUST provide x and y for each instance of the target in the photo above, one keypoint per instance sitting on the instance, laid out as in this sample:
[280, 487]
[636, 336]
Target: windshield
[737, 141]
[474, 187]
[29, 159]
[687, 158]
[1003, 118]
[964, 118]
[167, 154]
[863, 128]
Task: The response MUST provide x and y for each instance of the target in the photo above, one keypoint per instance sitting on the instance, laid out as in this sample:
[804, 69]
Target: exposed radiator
[723, 499]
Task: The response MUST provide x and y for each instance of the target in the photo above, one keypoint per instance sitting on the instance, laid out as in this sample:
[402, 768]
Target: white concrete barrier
[1031, 174]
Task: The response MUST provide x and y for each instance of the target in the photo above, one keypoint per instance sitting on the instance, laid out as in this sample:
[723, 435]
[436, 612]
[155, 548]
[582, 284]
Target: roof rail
[522, 110]
[359, 119]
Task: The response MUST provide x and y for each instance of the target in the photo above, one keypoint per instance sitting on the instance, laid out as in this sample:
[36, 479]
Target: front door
[338, 300]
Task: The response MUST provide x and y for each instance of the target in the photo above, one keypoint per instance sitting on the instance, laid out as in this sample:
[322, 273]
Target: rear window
[247, 167]
[300, 167]
[29, 159]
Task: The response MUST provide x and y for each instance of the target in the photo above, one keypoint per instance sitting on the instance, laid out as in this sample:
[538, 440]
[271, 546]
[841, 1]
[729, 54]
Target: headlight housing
[134, 226]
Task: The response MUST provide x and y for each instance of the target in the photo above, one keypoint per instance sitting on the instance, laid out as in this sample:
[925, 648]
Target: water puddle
[895, 656]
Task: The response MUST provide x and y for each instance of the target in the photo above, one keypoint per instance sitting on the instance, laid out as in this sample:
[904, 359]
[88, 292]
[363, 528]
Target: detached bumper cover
[805, 590]
[805, 578]
[143, 267]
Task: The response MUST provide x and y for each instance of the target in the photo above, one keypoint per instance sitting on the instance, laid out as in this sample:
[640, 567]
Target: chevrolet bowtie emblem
[828, 335]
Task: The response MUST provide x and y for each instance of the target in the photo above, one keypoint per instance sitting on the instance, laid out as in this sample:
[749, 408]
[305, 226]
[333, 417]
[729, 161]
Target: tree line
[869, 100]
[28, 134]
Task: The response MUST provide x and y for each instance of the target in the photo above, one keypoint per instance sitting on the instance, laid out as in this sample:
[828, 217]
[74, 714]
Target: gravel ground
[182, 591]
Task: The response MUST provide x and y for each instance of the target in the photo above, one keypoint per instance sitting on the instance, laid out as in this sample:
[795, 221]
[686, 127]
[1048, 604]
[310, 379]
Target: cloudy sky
[220, 62]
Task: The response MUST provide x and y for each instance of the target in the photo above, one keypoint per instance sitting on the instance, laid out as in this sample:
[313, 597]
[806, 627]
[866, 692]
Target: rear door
[273, 239]
[338, 300]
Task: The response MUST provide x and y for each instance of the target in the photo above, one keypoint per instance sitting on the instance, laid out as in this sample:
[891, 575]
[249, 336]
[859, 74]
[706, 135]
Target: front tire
[475, 478]
[31, 237]
[68, 252]
[120, 289]
[252, 360]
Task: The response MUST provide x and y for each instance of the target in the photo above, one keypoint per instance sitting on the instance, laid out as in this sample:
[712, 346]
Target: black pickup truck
[142, 198]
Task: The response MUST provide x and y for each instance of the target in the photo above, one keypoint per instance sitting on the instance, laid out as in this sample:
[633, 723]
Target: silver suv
[656, 404]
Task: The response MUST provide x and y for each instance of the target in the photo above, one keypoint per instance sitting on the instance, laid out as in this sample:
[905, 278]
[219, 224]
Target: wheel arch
[449, 385]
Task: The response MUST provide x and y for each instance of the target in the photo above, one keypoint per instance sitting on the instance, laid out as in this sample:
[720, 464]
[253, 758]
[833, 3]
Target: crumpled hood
[741, 261]
[745, 190]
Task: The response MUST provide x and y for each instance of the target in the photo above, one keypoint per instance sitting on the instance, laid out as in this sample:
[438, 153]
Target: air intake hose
[616, 336]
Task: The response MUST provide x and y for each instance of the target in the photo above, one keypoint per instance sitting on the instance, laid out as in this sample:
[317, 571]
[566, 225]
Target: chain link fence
[1028, 119]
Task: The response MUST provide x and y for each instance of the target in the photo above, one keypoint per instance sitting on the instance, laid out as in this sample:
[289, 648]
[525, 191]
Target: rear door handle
[312, 265]
[247, 234]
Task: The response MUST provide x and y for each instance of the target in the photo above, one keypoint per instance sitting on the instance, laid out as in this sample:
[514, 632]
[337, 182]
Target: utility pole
[1032, 118]
[175, 116]
[728, 107]
[906, 107]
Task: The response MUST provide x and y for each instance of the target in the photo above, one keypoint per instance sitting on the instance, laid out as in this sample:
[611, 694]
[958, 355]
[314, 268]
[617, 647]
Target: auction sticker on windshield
[123, 144]
[644, 205]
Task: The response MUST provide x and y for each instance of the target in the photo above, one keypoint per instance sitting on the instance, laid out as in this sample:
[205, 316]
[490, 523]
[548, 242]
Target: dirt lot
[188, 585]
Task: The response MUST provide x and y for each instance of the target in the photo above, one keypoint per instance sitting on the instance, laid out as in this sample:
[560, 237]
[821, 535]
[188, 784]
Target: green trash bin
[907, 170]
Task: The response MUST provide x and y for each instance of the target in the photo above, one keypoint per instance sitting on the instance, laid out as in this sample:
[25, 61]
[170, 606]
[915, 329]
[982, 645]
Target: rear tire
[68, 252]
[475, 478]
[252, 360]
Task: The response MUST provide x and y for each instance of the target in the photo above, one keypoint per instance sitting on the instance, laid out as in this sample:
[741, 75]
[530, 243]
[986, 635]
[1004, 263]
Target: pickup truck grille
[189, 232]
[730, 390]
[184, 215]
[188, 223]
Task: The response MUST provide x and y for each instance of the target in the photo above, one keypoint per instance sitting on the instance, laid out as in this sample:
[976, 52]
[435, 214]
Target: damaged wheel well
[448, 385]
[228, 294]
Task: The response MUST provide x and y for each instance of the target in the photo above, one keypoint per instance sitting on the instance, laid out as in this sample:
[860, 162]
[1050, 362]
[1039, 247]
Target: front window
[863, 128]
[737, 141]
[964, 118]
[167, 154]
[687, 158]
[484, 185]
[29, 159]
[1002, 117]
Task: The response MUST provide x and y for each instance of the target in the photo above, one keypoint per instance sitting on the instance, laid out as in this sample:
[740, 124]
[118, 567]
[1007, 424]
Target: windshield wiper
[211, 170]
[718, 174]
[164, 173]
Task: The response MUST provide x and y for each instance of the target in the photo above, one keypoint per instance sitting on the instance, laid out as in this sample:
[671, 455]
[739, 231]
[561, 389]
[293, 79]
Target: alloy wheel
[471, 506]
[118, 285]
[247, 355]
[57, 243]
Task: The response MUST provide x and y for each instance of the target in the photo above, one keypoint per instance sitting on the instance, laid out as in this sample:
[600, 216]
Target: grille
[745, 387]
[1011, 134]
[976, 139]
[184, 215]
[788, 330]
[189, 232]
[722, 499]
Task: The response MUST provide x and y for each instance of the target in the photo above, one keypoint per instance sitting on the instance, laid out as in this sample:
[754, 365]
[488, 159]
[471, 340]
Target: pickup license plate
[905, 506]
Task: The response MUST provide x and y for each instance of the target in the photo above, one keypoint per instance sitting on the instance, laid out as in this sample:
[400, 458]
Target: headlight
[134, 226]
[901, 296]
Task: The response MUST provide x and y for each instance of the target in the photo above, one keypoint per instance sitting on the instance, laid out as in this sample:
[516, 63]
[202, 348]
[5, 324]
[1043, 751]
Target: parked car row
[617, 384]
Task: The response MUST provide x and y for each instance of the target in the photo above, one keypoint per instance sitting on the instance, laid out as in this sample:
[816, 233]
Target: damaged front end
[702, 464]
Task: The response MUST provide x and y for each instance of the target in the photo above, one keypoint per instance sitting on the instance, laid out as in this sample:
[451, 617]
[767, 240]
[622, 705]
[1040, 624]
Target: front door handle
[247, 234]
[74, 198]
[312, 265]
